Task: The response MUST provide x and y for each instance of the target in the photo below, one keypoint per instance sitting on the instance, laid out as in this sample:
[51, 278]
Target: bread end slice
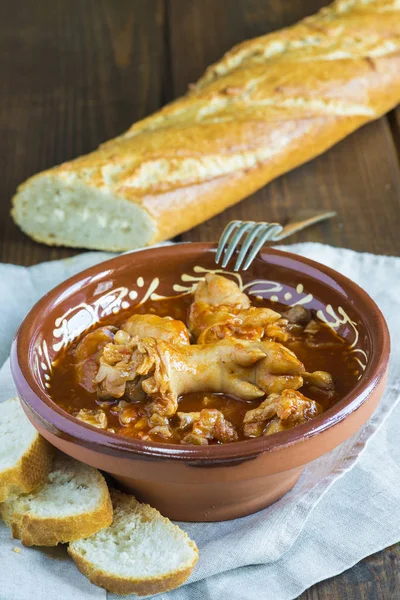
[25, 456]
[59, 208]
[141, 553]
[73, 503]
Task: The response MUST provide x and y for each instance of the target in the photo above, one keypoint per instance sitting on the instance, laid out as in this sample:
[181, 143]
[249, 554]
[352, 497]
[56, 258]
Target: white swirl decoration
[261, 286]
[81, 317]
[42, 365]
[340, 318]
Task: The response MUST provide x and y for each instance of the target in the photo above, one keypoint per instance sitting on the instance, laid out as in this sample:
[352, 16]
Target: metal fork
[258, 234]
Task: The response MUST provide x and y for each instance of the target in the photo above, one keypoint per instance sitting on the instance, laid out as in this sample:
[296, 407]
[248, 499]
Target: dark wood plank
[73, 74]
[364, 191]
[374, 578]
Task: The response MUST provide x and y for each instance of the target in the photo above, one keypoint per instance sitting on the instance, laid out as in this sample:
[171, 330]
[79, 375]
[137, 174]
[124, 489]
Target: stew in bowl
[210, 367]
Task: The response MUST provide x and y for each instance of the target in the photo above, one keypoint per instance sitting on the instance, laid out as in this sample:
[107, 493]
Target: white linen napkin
[345, 506]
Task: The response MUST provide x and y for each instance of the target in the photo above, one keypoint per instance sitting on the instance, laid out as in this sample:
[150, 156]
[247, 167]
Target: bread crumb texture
[73, 502]
[141, 552]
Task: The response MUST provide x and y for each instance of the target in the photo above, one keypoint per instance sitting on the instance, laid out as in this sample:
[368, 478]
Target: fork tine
[224, 238]
[259, 227]
[233, 243]
[271, 230]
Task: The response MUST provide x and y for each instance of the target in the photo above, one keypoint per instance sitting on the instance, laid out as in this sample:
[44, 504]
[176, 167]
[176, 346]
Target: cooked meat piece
[313, 327]
[298, 315]
[274, 384]
[92, 342]
[320, 383]
[162, 431]
[187, 419]
[216, 290]
[127, 413]
[265, 411]
[252, 430]
[279, 370]
[134, 392]
[290, 407]
[241, 368]
[96, 418]
[161, 328]
[213, 425]
[209, 424]
[195, 439]
[277, 331]
[213, 323]
[259, 429]
[160, 426]
[176, 371]
[157, 420]
[121, 337]
[115, 368]
[86, 354]
[217, 314]
[319, 379]
[244, 369]
[275, 425]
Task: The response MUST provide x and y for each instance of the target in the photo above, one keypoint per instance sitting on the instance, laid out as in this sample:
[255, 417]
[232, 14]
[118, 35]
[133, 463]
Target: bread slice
[73, 503]
[25, 457]
[141, 553]
[56, 211]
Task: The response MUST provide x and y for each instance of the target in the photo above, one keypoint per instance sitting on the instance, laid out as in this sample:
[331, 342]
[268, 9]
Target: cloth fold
[345, 506]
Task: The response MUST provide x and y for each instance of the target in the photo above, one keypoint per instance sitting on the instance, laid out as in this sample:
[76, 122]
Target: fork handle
[291, 228]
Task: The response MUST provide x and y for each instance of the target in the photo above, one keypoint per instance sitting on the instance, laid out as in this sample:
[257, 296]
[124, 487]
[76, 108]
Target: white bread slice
[25, 456]
[141, 553]
[74, 502]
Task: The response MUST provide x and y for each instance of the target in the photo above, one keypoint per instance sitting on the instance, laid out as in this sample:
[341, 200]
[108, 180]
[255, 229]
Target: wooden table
[76, 72]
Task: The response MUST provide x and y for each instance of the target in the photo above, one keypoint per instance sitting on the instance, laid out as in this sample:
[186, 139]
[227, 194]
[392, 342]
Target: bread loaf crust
[269, 105]
[124, 587]
[31, 468]
[30, 471]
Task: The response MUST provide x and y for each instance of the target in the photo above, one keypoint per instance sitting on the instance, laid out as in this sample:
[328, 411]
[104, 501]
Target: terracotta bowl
[199, 483]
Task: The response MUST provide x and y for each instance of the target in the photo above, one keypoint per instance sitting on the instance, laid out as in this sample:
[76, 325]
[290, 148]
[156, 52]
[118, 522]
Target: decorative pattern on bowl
[78, 319]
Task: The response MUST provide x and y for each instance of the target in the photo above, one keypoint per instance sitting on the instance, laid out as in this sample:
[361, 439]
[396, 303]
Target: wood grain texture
[394, 121]
[75, 73]
[374, 578]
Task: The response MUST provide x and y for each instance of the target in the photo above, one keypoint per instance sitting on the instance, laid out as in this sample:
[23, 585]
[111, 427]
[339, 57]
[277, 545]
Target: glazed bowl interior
[116, 286]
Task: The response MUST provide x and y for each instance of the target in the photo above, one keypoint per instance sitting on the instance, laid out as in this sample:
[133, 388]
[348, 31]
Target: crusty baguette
[73, 503]
[140, 553]
[25, 457]
[271, 104]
